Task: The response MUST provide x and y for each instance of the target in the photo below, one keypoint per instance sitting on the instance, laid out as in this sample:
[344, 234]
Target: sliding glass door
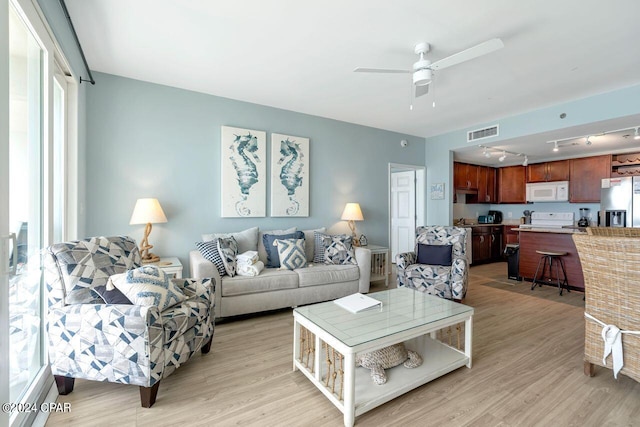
[25, 163]
[34, 171]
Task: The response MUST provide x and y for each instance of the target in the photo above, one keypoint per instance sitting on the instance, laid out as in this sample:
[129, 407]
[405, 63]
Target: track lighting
[588, 142]
[486, 153]
[555, 146]
[504, 156]
[526, 161]
[636, 135]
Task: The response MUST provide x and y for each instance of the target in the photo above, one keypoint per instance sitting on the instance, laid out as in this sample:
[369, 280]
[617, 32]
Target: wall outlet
[509, 214]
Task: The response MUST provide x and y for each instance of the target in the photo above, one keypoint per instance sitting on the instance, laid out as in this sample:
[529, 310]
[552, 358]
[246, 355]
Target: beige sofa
[274, 288]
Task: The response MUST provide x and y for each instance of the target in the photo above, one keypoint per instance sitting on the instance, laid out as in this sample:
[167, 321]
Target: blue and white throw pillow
[147, 286]
[209, 251]
[273, 260]
[291, 253]
[228, 249]
[339, 250]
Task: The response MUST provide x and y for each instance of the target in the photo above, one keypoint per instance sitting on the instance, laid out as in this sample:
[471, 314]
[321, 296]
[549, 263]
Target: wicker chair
[611, 267]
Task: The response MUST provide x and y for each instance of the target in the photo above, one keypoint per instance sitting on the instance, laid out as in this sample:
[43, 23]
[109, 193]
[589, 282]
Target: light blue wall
[439, 158]
[148, 140]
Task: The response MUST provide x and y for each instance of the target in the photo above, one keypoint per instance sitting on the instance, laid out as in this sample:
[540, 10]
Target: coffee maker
[584, 217]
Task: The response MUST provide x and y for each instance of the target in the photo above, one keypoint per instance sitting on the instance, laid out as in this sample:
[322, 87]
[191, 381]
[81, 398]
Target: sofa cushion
[324, 274]
[262, 252]
[182, 317]
[247, 240]
[209, 251]
[310, 242]
[291, 253]
[270, 279]
[268, 240]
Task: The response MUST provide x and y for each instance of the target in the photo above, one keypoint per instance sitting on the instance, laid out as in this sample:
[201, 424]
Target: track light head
[486, 153]
[526, 161]
[555, 146]
[636, 135]
[588, 141]
[504, 156]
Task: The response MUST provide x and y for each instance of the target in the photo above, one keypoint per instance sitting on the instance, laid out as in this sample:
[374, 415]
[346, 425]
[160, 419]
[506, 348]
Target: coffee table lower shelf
[438, 360]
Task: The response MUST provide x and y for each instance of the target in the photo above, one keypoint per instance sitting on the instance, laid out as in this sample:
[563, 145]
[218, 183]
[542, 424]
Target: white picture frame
[437, 191]
[289, 176]
[243, 185]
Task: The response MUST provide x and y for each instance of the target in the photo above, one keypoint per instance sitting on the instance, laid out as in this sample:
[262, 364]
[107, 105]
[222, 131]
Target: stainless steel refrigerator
[620, 202]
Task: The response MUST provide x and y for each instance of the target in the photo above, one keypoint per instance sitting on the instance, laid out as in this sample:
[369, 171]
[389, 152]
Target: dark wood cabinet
[486, 242]
[487, 185]
[496, 242]
[465, 176]
[510, 236]
[530, 241]
[585, 177]
[548, 171]
[512, 184]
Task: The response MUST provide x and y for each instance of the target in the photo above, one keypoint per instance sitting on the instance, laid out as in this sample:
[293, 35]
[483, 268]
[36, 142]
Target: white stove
[552, 219]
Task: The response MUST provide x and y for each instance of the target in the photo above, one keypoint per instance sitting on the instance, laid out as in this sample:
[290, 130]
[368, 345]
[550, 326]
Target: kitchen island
[555, 239]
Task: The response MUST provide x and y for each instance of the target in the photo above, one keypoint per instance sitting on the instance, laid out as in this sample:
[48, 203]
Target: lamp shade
[352, 212]
[147, 211]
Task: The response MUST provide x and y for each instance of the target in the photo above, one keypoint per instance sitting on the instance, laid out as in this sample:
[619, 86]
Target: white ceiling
[300, 55]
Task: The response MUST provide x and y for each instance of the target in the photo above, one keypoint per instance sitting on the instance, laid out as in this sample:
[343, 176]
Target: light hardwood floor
[527, 370]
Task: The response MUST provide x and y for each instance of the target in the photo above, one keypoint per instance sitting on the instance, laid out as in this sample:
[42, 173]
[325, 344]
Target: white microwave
[556, 191]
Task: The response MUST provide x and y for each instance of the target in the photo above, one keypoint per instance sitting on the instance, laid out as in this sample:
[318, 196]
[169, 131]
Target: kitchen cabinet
[585, 176]
[486, 243]
[512, 184]
[510, 236]
[487, 185]
[548, 171]
[465, 176]
[530, 241]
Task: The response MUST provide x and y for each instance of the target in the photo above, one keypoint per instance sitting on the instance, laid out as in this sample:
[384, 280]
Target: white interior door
[403, 212]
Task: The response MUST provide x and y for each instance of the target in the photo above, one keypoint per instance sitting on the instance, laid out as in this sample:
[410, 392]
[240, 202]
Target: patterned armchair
[121, 343]
[446, 281]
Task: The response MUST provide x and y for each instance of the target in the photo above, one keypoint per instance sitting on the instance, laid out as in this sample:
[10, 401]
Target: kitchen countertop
[550, 230]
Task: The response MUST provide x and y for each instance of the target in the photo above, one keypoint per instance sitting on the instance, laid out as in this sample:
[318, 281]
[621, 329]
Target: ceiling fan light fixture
[422, 77]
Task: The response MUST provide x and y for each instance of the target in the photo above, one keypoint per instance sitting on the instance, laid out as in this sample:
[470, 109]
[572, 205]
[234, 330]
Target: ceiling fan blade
[381, 70]
[422, 90]
[467, 54]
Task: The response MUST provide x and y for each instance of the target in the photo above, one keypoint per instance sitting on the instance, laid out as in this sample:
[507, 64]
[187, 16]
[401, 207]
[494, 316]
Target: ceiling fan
[423, 69]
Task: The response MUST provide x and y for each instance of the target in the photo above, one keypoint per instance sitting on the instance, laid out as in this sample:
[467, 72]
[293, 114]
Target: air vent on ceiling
[475, 135]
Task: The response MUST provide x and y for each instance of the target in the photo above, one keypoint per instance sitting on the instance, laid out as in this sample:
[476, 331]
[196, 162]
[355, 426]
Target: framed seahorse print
[289, 175]
[244, 180]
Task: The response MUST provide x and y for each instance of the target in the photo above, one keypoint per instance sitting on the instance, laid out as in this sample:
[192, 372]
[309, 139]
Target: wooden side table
[170, 265]
[379, 263]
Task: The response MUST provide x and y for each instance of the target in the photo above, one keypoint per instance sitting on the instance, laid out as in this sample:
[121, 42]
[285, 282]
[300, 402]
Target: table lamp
[147, 211]
[352, 213]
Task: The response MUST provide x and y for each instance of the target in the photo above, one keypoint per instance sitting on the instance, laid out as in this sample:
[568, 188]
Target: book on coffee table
[357, 302]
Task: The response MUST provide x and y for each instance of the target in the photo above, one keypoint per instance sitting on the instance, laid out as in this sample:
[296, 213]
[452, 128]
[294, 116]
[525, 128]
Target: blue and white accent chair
[445, 281]
[120, 343]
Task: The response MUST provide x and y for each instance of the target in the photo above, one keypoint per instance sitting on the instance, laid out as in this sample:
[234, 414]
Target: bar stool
[547, 258]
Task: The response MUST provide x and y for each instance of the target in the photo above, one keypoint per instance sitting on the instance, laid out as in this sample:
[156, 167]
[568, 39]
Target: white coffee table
[406, 316]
